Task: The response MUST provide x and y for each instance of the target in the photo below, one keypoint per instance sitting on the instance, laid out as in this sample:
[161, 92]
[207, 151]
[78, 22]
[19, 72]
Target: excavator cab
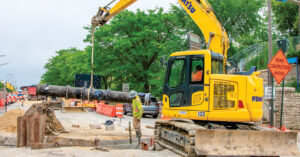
[186, 85]
[196, 88]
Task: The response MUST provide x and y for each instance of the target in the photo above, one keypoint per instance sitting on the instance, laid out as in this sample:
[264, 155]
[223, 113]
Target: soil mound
[8, 122]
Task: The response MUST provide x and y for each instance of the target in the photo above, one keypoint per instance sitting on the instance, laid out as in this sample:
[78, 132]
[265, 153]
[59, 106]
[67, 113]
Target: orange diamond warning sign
[279, 66]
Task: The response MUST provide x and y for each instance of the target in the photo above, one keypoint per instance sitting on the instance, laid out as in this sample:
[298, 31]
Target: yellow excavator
[214, 114]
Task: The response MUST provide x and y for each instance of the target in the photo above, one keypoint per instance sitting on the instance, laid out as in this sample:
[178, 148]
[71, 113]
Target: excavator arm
[105, 14]
[199, 10]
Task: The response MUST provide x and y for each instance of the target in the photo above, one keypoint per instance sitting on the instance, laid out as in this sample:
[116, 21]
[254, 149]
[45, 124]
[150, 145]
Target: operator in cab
[197, 74]
[137, 113]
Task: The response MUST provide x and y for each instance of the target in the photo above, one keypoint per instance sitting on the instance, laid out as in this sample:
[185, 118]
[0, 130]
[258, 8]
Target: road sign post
[280, 67]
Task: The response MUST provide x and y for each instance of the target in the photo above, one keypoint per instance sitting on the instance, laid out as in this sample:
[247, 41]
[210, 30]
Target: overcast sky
[32, 30]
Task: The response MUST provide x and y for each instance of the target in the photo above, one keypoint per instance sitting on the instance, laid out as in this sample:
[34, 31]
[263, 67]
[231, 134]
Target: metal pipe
[83, 93]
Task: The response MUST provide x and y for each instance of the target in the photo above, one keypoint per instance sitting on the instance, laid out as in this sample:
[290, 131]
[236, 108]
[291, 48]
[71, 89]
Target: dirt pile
[8, 122]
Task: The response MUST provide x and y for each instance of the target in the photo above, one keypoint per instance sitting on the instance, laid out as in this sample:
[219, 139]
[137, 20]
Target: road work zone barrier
[119, 110]
[99, 107]
[106, 110]
[2, 107]
[2, 101]
[16, 97]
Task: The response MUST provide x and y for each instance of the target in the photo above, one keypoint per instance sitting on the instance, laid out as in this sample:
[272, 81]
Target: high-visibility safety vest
[137, 107]
[197, 76]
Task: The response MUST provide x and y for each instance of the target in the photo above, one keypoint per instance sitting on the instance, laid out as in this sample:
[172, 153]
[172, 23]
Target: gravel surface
[81, 152]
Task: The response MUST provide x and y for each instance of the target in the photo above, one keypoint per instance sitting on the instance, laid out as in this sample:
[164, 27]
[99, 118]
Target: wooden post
[29, 130]
[35, 128]
[21, 134]
[129, 129]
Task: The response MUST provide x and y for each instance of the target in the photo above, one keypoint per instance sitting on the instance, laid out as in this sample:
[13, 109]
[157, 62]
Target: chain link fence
[257, 55]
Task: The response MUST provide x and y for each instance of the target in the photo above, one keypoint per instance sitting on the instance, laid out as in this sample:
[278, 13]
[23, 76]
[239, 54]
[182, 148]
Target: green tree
[1, 86]
[241, 20]
[286, 17]
[61, 69]
[128, 49]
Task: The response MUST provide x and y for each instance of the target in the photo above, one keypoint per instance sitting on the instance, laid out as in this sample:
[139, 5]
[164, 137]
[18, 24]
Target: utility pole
[270, 78]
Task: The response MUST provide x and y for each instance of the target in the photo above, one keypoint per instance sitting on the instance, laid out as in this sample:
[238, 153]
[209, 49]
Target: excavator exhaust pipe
[246, 143]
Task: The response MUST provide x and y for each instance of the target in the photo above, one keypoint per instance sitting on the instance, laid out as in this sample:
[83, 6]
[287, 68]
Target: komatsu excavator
[212, 115]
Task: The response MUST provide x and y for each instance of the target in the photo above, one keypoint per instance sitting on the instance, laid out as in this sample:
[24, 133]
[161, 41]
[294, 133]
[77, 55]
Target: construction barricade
[15, 97]
[119, 110]
[99, 107]
[106, 110]
[2, 107]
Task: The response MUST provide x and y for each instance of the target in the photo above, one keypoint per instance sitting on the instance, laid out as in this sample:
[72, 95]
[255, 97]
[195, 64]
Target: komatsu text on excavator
[212, 113]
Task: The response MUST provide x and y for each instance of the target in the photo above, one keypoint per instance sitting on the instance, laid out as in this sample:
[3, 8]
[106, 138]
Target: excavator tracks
[177, 136]
[188, 138]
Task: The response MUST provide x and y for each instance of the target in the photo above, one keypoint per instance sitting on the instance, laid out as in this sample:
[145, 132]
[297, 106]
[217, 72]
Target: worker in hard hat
[197, 74]
[137, 113]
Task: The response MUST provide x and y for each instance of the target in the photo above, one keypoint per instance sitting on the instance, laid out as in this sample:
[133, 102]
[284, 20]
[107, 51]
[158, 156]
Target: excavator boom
[204, 16]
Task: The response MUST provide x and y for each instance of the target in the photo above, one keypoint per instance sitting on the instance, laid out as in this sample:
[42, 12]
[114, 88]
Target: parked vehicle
[32, 96]
[149, 109]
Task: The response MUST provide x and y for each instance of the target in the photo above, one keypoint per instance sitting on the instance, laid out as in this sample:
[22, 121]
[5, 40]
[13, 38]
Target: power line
[4, 64]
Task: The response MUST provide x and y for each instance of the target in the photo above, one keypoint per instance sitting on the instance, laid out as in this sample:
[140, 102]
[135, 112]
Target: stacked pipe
[83, 93]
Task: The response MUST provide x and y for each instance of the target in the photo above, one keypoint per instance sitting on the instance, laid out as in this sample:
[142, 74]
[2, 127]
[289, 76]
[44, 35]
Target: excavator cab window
[197, 70]
[176, 82]
[177, 73]
[216, 67]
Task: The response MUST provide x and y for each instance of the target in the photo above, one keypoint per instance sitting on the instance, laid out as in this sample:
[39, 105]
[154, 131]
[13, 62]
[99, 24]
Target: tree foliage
[61, 69]
[241, 20]
[128, 49]
[1, 86]
[286, 17]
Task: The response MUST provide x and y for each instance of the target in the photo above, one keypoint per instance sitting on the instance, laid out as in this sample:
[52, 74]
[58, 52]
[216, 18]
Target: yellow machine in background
[10, 86]
[212, 115]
